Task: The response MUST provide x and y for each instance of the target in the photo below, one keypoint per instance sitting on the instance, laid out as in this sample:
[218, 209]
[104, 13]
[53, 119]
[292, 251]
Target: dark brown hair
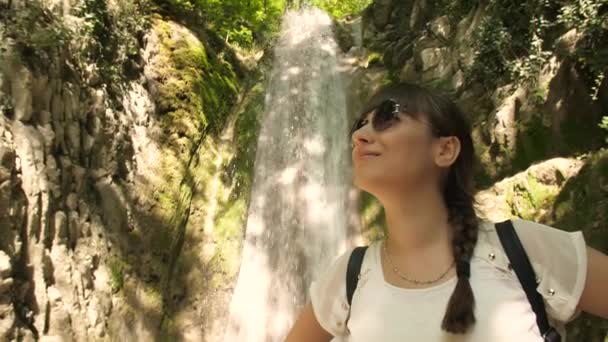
[457, 187]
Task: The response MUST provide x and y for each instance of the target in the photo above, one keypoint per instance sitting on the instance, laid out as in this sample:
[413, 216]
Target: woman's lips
[366, 154]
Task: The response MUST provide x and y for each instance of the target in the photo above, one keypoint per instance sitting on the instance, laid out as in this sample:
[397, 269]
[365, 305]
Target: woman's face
[397, 157]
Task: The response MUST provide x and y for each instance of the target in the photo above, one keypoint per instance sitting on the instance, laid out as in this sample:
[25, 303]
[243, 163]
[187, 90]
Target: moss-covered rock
[529, 194]
[196, 91]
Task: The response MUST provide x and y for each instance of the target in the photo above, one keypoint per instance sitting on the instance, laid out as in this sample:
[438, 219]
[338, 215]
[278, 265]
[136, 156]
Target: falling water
[297, 216]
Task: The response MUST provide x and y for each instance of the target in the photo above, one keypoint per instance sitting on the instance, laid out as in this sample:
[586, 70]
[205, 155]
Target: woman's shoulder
[558, 257]
[328, 293]
[545, 245]
[539, 240]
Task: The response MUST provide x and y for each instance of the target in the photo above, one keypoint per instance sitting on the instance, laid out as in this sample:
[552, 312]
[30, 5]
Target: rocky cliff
[127, 138]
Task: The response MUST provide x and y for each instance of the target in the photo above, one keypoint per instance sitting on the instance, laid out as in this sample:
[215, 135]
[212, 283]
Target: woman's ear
[446, 151]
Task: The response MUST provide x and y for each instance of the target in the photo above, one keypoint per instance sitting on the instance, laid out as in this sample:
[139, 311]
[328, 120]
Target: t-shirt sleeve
[328, 296]
[559, 259]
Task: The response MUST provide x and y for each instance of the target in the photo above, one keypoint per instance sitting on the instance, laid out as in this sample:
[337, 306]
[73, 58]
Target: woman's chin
[366, 184]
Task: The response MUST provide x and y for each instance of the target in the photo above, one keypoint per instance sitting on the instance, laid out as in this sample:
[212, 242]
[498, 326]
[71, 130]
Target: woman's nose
[361, 137]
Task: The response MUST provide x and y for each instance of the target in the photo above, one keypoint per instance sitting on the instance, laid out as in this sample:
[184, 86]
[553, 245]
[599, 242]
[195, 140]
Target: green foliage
[108, 36]
[513, 41]
[526, 70]
[242, 23]
[111, 37]
[342, 8]
[491, 42]
[582, 13]
[590, 18]
[510, 43]
[36, 31]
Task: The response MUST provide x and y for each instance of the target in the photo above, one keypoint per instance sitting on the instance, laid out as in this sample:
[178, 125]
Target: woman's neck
[418, 224]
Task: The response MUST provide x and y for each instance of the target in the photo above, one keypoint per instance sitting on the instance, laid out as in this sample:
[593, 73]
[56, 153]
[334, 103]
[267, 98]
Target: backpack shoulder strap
[352, 273]
[525, 273]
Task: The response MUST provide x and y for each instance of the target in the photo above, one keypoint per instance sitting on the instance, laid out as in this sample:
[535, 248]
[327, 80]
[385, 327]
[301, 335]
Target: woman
[441, 273]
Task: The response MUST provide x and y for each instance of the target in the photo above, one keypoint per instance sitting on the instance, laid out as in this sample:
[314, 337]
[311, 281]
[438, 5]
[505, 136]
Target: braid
[459, 315]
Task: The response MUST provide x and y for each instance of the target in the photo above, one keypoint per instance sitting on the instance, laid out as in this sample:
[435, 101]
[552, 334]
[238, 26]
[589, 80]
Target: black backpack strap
[352, 273]
[525, 273]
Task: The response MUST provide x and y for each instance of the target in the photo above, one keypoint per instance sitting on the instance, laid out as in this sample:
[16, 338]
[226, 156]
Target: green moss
[179, 94]
[167, 201]
[229, 225]
[541, 195]
[198, 89]
[247, 127]
[235, 188]
[530, 199]
[117, 273]
[196, 95]
[520, 202]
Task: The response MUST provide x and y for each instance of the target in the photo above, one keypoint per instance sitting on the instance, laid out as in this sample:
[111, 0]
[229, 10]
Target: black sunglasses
[385, 115]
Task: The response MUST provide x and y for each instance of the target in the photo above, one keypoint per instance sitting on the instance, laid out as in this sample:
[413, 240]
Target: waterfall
[297, 219]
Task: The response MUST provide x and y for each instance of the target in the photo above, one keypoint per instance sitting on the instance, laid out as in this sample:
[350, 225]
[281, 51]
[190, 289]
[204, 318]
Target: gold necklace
[408, 279]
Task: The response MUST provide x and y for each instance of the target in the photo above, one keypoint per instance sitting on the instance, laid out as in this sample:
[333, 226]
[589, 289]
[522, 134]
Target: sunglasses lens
[385, 115]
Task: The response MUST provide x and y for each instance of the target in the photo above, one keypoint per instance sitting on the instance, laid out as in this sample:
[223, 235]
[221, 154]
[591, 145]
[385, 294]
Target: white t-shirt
[383, 312]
